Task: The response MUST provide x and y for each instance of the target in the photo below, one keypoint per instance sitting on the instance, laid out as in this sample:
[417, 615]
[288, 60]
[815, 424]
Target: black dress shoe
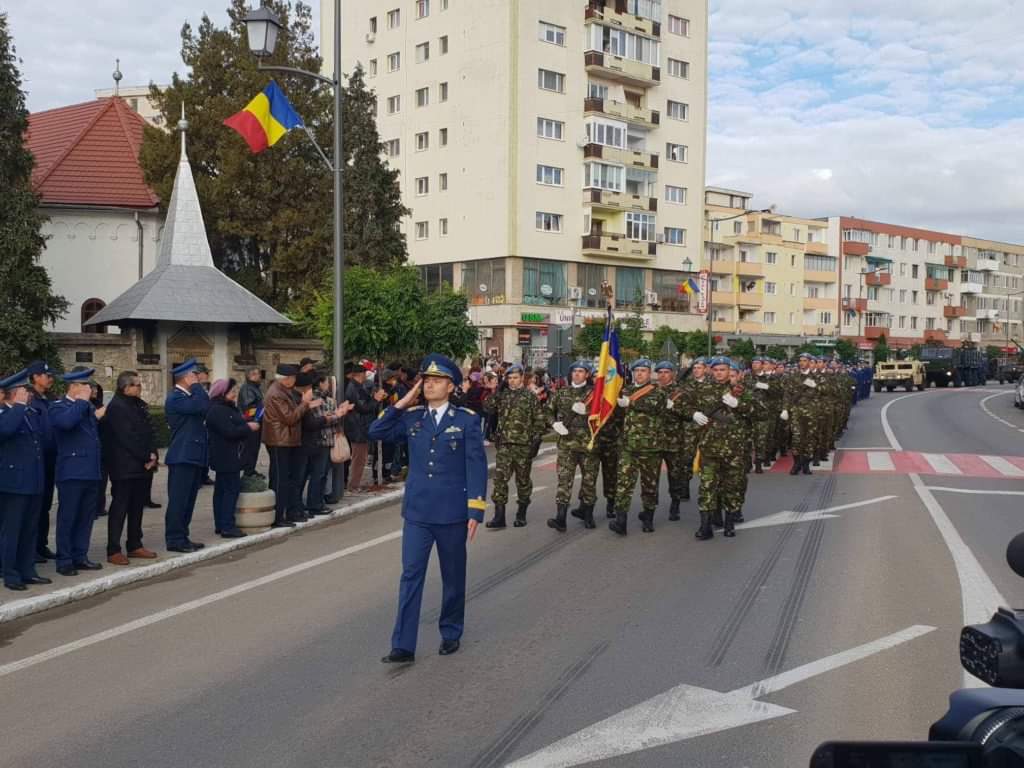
[183, 548]
[196, 544]
[448, 647]
[398, 656]
[232, 535]
[39, 580]
[67, 571]
[39, 560]
[152, 505]
[16, 587]
[207, 480]
[88, 565]
[282, 524]
[47, 553]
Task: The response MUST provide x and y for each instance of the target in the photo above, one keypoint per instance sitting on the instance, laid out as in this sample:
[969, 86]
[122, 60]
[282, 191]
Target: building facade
[543, 148]
[136, 97]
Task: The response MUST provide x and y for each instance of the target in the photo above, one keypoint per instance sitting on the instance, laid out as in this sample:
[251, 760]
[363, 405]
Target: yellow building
[994, 315]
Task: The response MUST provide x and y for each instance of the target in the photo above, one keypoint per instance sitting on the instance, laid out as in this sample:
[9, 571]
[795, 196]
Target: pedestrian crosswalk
[856, 462]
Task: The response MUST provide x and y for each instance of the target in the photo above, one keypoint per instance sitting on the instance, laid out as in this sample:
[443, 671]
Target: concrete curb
[169, 563]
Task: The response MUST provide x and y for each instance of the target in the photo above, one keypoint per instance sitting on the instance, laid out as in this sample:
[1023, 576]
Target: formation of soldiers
[718, 420]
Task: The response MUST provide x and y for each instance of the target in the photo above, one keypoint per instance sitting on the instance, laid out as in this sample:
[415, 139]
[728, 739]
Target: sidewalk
[71, 589]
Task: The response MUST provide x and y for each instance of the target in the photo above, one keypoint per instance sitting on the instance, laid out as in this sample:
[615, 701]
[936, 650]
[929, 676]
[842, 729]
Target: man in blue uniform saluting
[186, 459]
[443, 502]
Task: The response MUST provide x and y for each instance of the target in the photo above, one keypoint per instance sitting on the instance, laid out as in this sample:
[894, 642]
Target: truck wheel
[920, 387]
[878, 387]
[890, 387]
[1002, 381]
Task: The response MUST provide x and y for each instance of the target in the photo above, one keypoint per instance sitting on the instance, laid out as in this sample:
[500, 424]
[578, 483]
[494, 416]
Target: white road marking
[941, 464]
[1001, 465]
[878, 461]
[789, 516]
[686, 711]
[876, 448]
[1000, 419]
[974, 492]
[170, 613]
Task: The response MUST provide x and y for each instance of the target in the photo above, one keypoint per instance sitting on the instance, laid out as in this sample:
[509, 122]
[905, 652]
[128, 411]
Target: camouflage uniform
[767, 391]
[606, 454]
[573, 454]
[828, 386]
[690, 430]
[521, 422]
[672, 441]
[640, 452]
[804, 405]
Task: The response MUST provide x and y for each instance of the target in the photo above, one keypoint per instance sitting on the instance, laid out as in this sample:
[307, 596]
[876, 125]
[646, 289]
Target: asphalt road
[656, 650]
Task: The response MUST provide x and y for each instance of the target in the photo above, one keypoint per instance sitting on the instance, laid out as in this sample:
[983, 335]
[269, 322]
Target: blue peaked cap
[436, 364]
[182, 368]
[19, 379]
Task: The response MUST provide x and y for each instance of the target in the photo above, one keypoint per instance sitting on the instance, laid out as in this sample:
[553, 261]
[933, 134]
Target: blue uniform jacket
[78, 440]
[41, 407]
[21, 451]
[186, 415]
[447, 481]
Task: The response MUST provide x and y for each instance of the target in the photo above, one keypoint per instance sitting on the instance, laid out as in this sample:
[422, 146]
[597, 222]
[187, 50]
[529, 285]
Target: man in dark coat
[130, 456]
[188, 455]
[357, 424]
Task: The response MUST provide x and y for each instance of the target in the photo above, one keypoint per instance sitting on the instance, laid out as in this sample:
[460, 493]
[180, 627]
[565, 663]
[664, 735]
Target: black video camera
[984, 727]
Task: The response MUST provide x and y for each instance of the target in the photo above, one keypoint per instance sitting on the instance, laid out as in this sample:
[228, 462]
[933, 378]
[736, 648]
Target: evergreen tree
[27, 302]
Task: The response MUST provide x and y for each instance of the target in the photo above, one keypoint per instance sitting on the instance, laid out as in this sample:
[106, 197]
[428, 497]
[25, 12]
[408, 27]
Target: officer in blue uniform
[21, 483]
[40, 379]
[443, 503]
[186, 458]
[78, 474]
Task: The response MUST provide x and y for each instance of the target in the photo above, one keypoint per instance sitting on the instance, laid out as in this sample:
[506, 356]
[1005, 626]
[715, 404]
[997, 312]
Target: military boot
[705, 531]
[673, 510]
[558, 521]
[797, 465]
[578, 511]
[618, 525]
[807, 466]
[609, 509]
[716, 518]
[498, 521]
[729, 531]
[647, 520]
[520, 521]
[758, 468]
[588, 516]
[736, 517]
[685, 495]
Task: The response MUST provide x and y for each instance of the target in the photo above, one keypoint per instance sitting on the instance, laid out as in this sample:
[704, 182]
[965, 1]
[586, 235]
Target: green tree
[882, 350]
[777, 352]
[915, 351]
[742, 349]
[663, 335]
[588, 339]
[268, 216]
[696, 344]
[846, 350]
[632, 345]
[813, 349]
[26, 295]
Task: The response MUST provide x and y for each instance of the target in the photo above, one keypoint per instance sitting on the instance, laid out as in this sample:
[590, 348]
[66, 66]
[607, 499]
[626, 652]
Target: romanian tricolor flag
[607, 382]
[265, 119]
[689, 287]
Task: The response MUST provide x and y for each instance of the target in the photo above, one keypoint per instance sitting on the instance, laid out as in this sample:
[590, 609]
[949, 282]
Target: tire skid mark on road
[495, 754]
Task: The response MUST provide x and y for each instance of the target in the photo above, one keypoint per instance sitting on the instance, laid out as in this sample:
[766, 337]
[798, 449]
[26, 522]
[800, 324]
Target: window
[913, 297]
[550, 129]
[675, 236]
[629, 286]
[443, 44]
[796, 235]
[675, 194]
[549, 175]
[913, 323]
[678, 111]
[422, 9]
[552, 33]
[812, 291]
[488, 274]
[89, 308]
[607, 133]
[394, 61]
[903, 295]
[677, 152]
[422, 97]
[444, 5]
[544, 282]
[679, 26]
[820, 263]
[549, 222]
[373, 25]
[640, 226]
[442, 92]
[647, 9]
[771, 257]
[442, 226]
[393, 147]
[873, 292]
[903, 321]
[597, 90]
[737, 227]
[371, 69]
[892, 241]
[436, 275]
[394, 104]
[422, 53]
[678, 68]
[903, 269]
[792, 289]
[770, 289]
[550, 81]
[442, 182]
[394, 18]
[769, 318]
[442, 137]
[913, 271]
[422, 141]
[641, 182]
[670, 298]
[825, 318]
[601, 176]
[422, 230]
[422, 186]
[618, 42]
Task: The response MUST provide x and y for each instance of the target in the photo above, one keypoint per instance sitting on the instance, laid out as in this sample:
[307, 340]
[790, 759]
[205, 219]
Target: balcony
[855, 305]
[749, 299]
[723, 298]
[625, 71]
[816, 249]
[853, 248]
[988, 265]
[648, 118]
[957, 262]
[723, 326]
[972, 288]
[619, 201]
[953, 311]
[987, 314]
[936, 284]
[749, 326]
[816, 329]
[610, 244]
[819, 303]
[875, 331]
[878, 279]
[749, 268]
[614, 12]
[645, 160]
[935, 335]
[814, 276]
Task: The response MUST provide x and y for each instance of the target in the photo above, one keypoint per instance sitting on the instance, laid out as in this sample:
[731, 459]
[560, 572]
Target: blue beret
[700, 361]
[189, 365]
[79, 375]
[36, 367]
[806, 356]
[719, 360]
[735, 365]
[643, 362]
[20, 379]
[584, 365]
[514, 368]
[436, 364]
[665, 365]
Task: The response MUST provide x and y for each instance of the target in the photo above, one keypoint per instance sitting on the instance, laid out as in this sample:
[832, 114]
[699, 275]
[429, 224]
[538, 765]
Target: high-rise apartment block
[544, 147]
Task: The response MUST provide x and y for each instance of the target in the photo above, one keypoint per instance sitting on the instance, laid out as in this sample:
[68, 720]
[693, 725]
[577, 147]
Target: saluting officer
[186, 459]
[40, 379]
[568, 409]
[444, 499]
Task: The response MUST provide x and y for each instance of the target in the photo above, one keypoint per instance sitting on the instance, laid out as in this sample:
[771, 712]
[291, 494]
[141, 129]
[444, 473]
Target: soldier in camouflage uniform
[782, 433]
[698, 376]
[569, 409]
[521, 422]
[607, 451]
[645, 406]
[848, 387]
[801, 406]
[766, 392]
[828, 392]
[673, 438]
[720, 409]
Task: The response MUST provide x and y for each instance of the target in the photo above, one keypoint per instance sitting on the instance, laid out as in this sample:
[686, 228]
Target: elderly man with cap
[21, 482]
[282, 434]
[569, 410]
[188, 455]
[77, 433]
[800, 405]
[40, 379]
[644, 405]
[673, 438]
[443, 502]
[521, 422]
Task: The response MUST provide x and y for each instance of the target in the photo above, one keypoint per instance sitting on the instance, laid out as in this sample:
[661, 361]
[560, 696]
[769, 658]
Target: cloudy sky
[910, 112]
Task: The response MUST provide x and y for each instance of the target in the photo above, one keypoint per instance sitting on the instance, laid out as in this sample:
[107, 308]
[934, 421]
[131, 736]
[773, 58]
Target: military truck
[900, 373]
[1009, 367]
[946, 366]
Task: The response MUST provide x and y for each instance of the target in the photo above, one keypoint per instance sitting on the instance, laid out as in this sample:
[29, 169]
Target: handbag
[341, 451]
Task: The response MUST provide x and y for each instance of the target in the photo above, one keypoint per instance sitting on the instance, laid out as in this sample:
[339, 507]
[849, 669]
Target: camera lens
[1004, 726]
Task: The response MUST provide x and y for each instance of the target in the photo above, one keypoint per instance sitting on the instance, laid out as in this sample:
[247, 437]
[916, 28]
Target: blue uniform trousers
[417, 541]
[45, 501]
[76, 511]
[183, 481]
[18, 529]
[226, 488]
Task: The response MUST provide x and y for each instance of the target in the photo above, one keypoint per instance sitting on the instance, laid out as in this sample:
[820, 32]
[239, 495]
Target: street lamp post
[262, 29]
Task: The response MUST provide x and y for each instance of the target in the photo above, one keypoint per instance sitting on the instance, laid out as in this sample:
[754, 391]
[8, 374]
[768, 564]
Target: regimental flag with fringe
[265, 119]
[607, 381]
[689, 286]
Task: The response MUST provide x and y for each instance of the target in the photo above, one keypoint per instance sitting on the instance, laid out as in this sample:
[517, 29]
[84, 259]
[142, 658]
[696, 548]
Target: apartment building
[774, 277]
[544, 147]
[993, 315]
[137, 99]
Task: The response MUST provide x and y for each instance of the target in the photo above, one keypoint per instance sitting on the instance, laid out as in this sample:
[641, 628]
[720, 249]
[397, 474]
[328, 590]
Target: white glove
[560, 428]
[810, 383]
[624, 402]
[700, 419]
[729, 400]
[784, 415]
[580, 408]
[670, 403]
[761, 385]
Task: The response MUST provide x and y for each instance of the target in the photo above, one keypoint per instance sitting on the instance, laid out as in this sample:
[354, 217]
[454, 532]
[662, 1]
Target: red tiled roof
[88, 154]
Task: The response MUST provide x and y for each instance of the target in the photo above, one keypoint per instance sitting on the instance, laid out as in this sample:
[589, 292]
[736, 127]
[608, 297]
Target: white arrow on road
[685, 712]
[789, 516]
